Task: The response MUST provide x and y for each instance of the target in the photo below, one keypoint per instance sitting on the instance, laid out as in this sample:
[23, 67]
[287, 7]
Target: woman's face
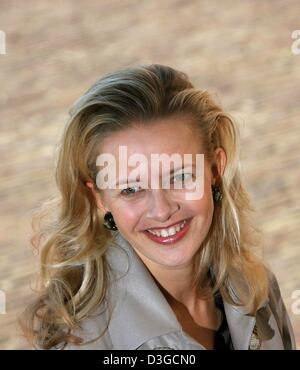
[144, 216]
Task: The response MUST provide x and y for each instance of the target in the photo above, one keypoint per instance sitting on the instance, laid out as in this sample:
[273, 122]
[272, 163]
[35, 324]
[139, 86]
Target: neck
[177, 284]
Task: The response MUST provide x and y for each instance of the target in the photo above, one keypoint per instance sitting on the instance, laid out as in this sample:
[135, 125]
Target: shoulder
[278, 308]
[275, 297]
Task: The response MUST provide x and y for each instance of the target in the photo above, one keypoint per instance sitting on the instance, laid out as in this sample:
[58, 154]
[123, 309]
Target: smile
[169, 235]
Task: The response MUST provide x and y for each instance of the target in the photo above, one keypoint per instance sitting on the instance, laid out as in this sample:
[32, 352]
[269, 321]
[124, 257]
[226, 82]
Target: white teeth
[164, 233]
[168, 232]
[172, 231]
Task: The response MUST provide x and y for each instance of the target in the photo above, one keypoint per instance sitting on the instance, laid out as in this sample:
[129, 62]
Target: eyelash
[126, 194]
[123, 192]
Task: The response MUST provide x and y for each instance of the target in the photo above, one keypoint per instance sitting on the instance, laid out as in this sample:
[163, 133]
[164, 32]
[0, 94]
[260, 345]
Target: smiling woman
[173, 267]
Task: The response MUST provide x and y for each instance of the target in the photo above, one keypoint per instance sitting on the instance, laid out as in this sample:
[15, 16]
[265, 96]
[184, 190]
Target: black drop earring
[109, 221]
[217, 193]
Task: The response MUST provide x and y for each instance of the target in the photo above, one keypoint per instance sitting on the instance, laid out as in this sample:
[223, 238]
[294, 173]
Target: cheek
[127, 216]
[203, 206]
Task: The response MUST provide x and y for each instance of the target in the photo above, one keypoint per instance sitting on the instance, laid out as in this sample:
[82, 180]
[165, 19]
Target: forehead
[169, 135]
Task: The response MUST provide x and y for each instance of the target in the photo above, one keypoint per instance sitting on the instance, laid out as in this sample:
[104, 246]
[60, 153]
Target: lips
[160, 236]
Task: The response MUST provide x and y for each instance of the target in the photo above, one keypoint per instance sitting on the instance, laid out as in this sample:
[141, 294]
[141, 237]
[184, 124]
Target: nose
[161, 205]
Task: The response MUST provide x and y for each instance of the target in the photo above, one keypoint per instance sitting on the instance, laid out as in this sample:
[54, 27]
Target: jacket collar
[139, 303]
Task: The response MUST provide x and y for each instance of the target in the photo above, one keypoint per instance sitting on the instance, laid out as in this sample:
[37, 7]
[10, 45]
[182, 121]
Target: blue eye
[183, 177]
[131, 190]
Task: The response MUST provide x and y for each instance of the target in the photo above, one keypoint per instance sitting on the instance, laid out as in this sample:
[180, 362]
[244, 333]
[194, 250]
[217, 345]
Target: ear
[98, 199]
[220, 161]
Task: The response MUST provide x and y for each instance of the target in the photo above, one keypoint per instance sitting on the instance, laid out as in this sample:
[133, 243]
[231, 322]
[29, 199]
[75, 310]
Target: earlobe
[220, 164]
[221, 160]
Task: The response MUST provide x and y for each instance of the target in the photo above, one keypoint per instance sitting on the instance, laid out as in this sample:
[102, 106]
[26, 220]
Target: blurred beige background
[240, 50]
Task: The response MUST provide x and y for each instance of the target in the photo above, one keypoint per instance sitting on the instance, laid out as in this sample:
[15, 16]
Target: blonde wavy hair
[72, 241]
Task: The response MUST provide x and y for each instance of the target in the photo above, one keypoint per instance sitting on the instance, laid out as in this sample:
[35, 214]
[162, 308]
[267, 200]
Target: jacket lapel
[139, 304]
[240, 326]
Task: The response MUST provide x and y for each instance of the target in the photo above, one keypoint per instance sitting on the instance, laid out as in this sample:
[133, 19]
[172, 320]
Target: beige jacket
[142, 318]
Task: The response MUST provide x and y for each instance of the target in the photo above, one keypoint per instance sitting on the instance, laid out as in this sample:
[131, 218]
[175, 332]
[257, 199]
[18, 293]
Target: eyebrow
[125, 181]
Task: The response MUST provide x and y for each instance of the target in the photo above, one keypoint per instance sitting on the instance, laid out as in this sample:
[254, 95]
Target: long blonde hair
[72, 242]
